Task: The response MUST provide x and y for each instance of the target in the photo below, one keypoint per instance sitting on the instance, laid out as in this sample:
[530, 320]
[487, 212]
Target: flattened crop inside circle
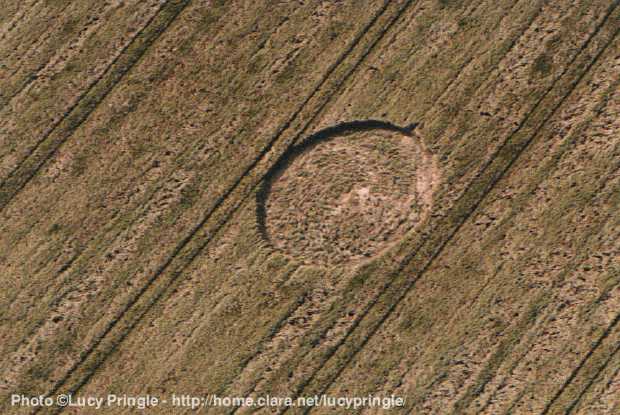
[345, 196]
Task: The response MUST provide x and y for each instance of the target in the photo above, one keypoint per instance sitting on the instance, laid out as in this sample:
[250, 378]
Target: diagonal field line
[489, 187]
[16, 184]
[576, 370]
[222, 198]
[603, 367]
[575, 403]
[30, 78]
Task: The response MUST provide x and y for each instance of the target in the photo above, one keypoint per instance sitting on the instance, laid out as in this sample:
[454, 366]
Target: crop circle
[346, 193]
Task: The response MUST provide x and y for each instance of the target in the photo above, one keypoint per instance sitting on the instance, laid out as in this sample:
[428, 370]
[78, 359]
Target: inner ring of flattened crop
[346, 194]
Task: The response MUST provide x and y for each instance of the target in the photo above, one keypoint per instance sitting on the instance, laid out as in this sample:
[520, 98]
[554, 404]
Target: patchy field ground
[150, 240]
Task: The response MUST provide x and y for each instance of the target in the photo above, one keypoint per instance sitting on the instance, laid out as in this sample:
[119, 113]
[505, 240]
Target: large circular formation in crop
[346, 193]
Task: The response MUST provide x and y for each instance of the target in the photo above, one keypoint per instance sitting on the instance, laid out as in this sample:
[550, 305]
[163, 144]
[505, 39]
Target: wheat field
[417, 198]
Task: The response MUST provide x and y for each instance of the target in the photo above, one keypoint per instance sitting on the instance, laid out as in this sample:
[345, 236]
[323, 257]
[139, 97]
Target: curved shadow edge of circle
[293, 152]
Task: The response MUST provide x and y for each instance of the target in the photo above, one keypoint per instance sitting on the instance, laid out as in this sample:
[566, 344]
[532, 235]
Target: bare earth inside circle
[347, 198]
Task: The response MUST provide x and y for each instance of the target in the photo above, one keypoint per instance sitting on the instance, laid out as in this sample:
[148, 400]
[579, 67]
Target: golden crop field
[343, 198]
